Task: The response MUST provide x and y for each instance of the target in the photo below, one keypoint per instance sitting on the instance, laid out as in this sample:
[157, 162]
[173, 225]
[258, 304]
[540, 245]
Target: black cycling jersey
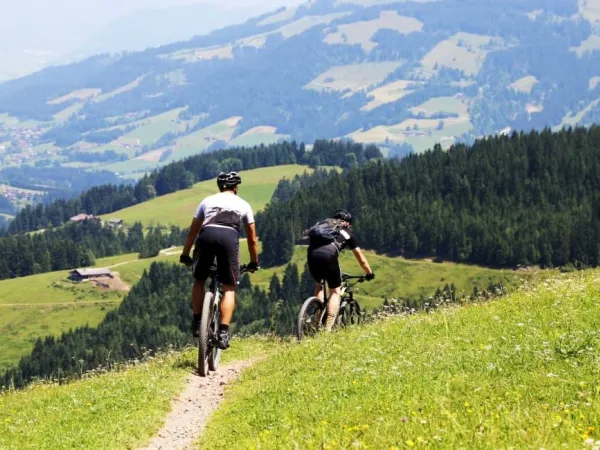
[323, 262]
[343, 240]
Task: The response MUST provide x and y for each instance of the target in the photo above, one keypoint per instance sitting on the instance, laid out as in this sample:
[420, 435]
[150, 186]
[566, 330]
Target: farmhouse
[83, 218]
[89, 274]
[115, 223]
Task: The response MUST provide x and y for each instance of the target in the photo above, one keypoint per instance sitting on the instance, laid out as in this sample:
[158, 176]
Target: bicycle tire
[305, 326]
[214, 357]
[204, 341]
[350, 315]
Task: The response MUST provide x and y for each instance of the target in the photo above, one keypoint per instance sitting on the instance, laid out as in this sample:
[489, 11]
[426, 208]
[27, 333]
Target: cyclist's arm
[251, 234]
[252, 242]
[194, 230]
[197, 222]
[360, 257]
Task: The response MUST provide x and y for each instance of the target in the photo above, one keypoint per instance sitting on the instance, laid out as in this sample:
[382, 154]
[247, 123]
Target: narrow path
[191, 410]
[122, 263]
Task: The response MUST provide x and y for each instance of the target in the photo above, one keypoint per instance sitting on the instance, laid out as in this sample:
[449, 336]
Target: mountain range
[402, 74]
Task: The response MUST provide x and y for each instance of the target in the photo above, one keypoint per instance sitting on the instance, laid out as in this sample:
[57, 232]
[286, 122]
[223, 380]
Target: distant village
[23, 140]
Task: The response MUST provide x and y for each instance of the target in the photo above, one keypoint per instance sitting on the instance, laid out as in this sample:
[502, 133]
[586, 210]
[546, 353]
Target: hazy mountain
[154, 27]
[403, 74]
[35, 33]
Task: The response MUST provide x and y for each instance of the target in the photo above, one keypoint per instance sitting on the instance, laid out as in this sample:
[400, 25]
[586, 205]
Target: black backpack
[325, 232]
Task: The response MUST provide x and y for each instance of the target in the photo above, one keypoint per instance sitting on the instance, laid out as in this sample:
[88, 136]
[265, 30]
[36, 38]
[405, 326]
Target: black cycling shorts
[324, 265]
[220, 244]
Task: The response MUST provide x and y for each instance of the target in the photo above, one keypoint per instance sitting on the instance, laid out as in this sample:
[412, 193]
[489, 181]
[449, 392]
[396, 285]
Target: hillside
[403, 74]
[49, 304]
[517, 372]
[178, 208]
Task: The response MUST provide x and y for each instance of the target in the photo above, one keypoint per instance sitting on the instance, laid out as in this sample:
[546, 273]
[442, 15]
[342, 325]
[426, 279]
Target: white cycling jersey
[225, 210]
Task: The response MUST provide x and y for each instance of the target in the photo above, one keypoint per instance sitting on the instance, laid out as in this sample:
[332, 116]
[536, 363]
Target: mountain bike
[209, 354]
[313, 313]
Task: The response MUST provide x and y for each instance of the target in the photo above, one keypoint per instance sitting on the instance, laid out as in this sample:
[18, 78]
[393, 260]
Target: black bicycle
[313, 313]
[209, 354]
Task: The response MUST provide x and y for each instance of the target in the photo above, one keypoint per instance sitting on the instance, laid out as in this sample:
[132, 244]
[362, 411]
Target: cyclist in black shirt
[324, 265]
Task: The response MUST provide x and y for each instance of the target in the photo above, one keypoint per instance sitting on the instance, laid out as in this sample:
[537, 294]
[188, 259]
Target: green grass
[153, 128]
[119, 410]
[521, 372]
[198, 141]
[21, 326]
[179, 207]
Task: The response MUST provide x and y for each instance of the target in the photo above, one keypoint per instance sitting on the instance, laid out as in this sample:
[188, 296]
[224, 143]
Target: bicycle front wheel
[310, 318]
[350, 314]
[207, 331]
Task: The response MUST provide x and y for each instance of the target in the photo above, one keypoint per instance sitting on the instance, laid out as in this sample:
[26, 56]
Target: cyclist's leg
[228, 266]
[334, 281]
[319, 290]
[317, 268]
[203, 259]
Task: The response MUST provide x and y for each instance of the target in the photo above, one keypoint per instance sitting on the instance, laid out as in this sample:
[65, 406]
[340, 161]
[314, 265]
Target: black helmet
[228, 180]
[342, 214]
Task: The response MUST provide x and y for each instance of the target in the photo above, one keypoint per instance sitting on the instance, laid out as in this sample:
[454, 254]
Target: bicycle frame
[346, 293]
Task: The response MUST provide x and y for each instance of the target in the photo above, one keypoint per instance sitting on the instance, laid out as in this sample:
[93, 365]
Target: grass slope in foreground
[118, 410]
[520, 372]
[178, 207]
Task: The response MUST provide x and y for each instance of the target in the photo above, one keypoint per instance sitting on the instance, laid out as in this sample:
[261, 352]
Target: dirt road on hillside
[191, 410]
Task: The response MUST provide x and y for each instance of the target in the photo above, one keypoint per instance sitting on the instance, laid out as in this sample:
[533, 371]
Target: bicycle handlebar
[359, 278]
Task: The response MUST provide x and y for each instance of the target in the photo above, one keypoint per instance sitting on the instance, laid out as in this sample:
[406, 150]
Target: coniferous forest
[506, 200]
[78, 245]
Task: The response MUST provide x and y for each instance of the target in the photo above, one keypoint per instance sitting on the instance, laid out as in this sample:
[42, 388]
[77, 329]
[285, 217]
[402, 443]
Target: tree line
[78, 245]
[181, 175]
[505, 200]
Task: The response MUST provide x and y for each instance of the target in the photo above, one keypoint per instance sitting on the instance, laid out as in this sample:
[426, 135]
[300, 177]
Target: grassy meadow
[520, 372]
[179, 207]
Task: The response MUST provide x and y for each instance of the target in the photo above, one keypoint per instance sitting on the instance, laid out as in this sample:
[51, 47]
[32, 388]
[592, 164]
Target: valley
[462, 136]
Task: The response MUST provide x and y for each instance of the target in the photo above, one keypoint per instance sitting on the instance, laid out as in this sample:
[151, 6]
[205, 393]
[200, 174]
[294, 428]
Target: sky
[38, 31]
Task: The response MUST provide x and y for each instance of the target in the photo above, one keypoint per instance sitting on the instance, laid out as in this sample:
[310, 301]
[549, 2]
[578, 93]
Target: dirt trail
[192, 408]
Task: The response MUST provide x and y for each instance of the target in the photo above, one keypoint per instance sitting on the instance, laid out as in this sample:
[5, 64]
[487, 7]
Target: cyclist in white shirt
[214, 232]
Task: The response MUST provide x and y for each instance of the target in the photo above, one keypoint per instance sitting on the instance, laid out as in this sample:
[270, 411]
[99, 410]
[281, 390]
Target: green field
[179, 207]
[49, 304]
[150, 130]
[521, 372]
[21, 326]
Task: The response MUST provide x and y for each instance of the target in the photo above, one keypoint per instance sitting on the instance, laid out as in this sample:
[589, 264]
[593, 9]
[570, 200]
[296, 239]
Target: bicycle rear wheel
[205, 342]
[310, 318]
[214, 357]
